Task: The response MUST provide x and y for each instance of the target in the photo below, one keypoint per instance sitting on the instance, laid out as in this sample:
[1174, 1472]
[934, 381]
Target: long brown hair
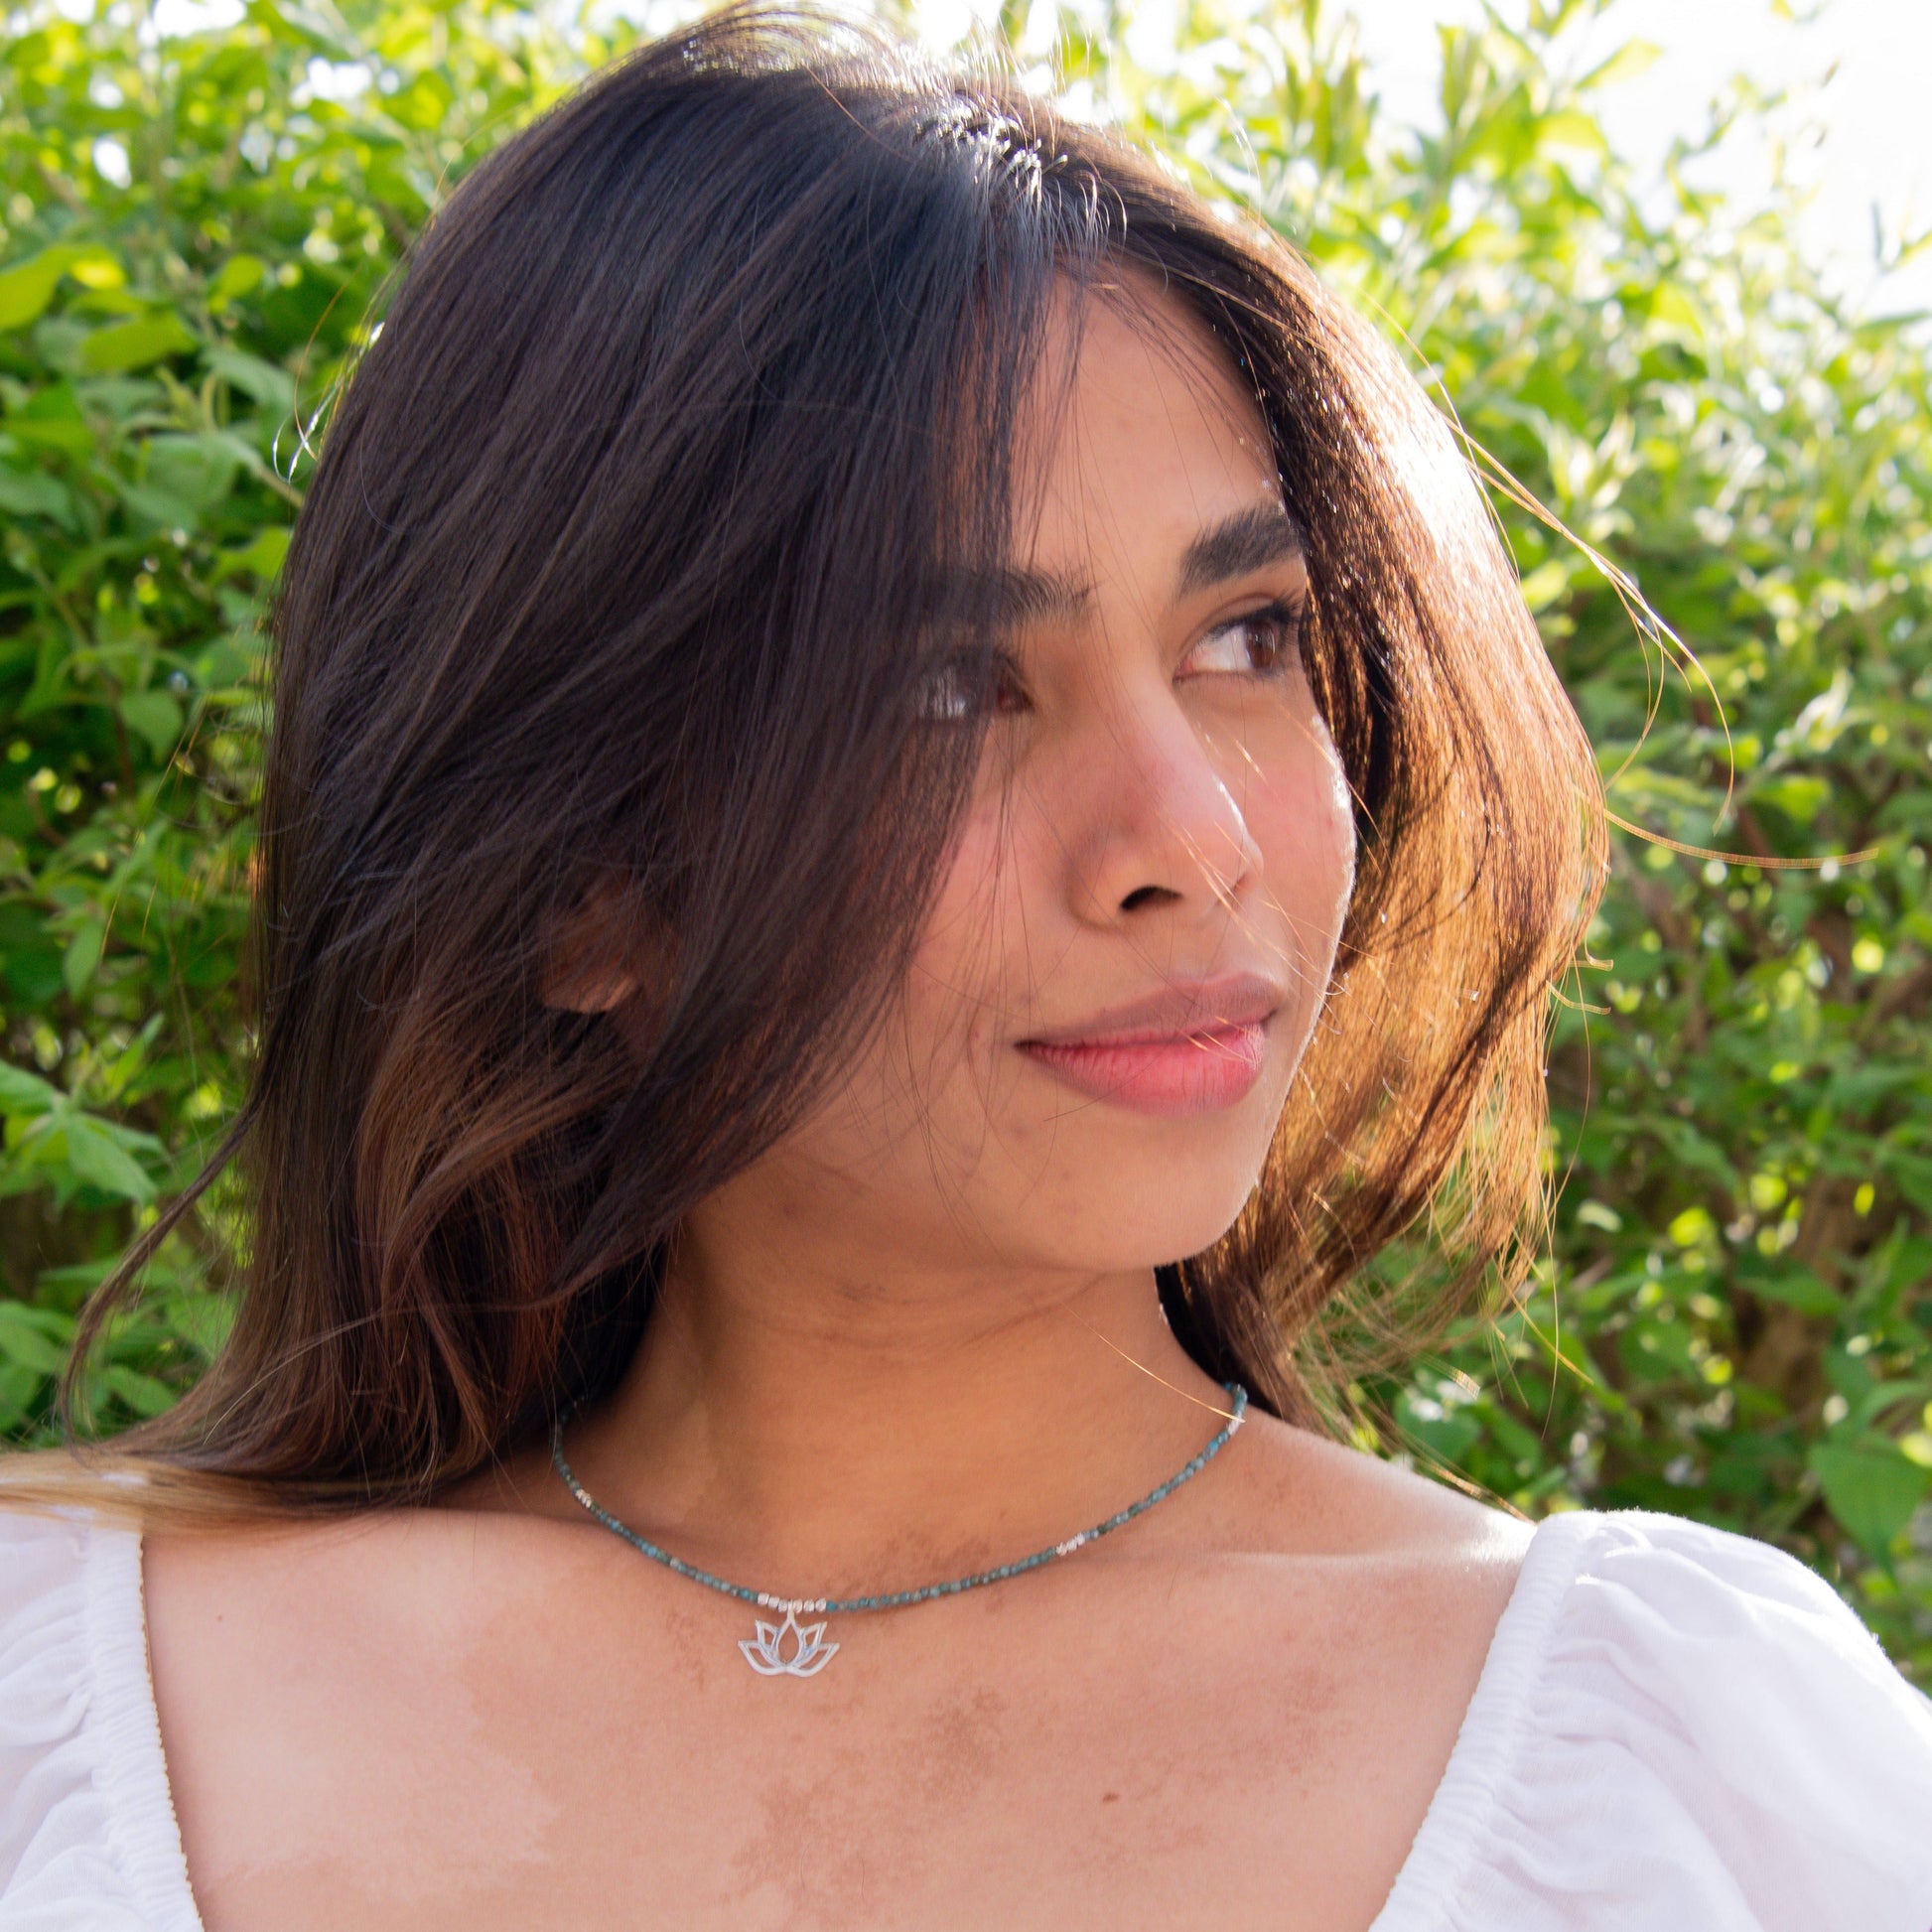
[631, 543]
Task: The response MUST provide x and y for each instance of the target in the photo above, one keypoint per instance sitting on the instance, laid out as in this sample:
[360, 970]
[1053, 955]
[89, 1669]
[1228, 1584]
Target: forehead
[1141, 433]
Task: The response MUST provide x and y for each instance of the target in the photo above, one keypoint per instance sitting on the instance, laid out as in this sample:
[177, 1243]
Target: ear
[588, 985]
[585, 971]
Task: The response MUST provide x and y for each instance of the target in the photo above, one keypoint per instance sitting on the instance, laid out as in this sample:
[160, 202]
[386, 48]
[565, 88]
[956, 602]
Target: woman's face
[1139, 916]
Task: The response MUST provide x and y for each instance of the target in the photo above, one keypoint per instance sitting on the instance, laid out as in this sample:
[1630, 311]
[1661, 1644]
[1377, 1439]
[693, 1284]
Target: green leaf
[157, 510]
[1798, 797]
[262, 382]
[424, 104]
[1794, 1286]
[26, 1094]
[1444, 1433]
[50, 418]
[82, 955]
[1673, 309]
[33, 1339]
[154, 716]
[1545, 583]
[1569, 127]
[1626, 63]
[26, 291]
[36, 496]
[1873, 1489]
[240, 275]
[263, 557]
[134, 344]
[99, 1152]
[146, 1395]
[28, 287]
[30, 960]
[195, 470]
[1661, 365]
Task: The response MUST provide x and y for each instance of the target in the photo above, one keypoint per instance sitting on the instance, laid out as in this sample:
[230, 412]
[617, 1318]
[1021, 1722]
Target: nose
[1161, 832]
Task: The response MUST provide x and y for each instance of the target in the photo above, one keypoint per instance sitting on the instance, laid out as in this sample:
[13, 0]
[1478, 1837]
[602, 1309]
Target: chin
[1146, 1217]
[1135, 1191]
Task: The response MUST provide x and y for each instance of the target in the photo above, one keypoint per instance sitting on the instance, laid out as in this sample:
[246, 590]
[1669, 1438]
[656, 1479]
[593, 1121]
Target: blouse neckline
[1456, 1825]
[131, 1771]
[140, 1807]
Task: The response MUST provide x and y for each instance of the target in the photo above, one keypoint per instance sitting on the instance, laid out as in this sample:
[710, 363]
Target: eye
[970, 685]
[1260, 643]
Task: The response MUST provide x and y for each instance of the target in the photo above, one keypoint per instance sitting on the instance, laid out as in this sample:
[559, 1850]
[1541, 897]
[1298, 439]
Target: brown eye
[1268, 642]
[968, 686]
[1009, 694]
[1261, 644]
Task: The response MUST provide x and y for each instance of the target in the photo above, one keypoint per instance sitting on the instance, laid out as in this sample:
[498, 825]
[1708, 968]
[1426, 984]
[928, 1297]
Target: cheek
[959, 988]
[1301, 820]
[926, 1085]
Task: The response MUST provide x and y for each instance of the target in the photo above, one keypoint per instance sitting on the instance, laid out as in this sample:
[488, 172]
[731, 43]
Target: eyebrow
[1010, 598]
[1252, 540]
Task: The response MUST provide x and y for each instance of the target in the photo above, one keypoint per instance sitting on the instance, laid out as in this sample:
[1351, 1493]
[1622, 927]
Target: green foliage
[1736, 1317]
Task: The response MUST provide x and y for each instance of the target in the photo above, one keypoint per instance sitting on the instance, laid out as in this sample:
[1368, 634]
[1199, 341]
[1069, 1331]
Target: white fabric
[1676, 1730]
[88, 1836]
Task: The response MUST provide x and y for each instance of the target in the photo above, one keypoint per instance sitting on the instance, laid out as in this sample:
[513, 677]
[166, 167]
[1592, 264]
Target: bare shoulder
[368, 1576]
[1383, 1556]
[504, 1511]
[1309, 1495]
[301, 1669]
[338, 1630]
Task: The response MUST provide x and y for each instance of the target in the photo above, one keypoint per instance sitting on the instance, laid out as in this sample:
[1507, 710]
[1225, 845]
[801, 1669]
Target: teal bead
[904, 1597]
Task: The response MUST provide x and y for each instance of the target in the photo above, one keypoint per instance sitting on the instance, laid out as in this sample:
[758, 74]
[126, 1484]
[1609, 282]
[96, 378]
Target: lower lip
[1170, 1078]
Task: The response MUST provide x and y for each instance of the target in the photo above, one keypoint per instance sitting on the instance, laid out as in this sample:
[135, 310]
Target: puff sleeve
[87, 1833]
[1678, 1727]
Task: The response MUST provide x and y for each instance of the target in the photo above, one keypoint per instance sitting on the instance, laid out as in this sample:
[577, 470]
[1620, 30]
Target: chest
[1127, 1746]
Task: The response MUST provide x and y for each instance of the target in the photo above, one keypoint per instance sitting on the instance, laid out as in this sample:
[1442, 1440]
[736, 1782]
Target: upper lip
[1176, 1010]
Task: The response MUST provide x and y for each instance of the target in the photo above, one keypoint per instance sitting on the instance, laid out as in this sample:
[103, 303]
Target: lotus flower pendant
[769, 1655]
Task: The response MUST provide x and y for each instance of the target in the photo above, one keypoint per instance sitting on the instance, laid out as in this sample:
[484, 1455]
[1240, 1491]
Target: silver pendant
[810, 1653]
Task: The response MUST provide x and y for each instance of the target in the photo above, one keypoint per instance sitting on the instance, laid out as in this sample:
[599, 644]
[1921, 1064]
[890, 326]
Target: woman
[911, 813]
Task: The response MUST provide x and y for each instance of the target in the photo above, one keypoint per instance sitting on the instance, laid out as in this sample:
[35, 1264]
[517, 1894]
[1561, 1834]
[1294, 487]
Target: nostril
[1146, 895]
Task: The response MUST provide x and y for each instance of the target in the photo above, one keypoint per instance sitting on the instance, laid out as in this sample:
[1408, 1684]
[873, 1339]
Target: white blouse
[1675, 1731]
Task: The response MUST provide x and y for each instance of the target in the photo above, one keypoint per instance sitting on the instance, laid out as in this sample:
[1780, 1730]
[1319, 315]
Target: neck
[809, 1423]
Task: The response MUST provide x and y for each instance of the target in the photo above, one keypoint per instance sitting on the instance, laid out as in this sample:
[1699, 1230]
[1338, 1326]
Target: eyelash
[1282, 620]
[1006, 692]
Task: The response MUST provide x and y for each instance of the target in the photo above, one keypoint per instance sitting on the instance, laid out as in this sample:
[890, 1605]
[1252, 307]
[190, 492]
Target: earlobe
[588, 970]
[588, 985]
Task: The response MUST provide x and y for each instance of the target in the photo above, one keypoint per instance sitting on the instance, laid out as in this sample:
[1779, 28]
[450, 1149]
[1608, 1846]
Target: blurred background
[1668, 263]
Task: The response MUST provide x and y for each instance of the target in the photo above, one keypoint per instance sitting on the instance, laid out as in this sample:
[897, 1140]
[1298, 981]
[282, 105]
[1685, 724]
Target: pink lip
[1191, 1048]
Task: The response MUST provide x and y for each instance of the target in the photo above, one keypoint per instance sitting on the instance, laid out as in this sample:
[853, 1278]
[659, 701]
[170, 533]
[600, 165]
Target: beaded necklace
[792, 1649]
